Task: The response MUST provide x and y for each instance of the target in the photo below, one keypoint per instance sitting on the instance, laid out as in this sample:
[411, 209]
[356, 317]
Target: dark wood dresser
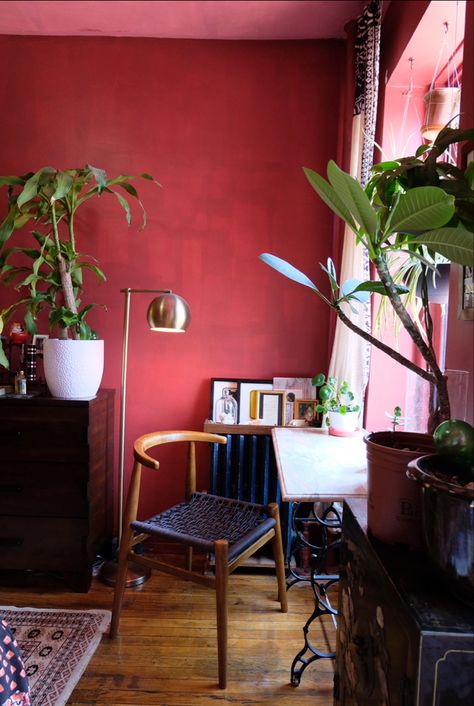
[56, 484]
[403, 639]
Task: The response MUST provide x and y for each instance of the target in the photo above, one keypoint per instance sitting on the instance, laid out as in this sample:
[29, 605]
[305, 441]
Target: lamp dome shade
[169, 312]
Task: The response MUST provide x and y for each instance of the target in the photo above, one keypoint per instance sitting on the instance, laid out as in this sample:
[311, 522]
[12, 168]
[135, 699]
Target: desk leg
[320, 584]
[329, 521]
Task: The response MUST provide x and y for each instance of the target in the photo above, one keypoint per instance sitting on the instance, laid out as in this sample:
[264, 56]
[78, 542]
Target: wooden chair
[227, 530]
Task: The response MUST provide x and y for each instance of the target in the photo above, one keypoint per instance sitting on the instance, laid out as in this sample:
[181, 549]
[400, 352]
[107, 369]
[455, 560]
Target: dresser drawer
[42, 544]
[43, 489]
[38, 441]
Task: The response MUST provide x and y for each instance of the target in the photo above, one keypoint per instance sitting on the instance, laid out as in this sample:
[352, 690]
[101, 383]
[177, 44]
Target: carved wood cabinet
[56, 484]
[402, 639]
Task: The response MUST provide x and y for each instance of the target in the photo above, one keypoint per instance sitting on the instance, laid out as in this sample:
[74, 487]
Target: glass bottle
[20, 383]
[226, 408]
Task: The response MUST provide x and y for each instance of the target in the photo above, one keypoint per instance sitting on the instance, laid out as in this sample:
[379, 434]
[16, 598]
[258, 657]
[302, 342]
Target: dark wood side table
[402, 639]
[56, 484]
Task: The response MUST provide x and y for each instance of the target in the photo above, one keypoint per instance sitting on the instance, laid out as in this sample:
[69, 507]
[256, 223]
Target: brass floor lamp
[168, 313]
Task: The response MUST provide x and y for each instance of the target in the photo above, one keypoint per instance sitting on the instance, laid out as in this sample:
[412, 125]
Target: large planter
[447, 512]
[394, 501]
[73, 369]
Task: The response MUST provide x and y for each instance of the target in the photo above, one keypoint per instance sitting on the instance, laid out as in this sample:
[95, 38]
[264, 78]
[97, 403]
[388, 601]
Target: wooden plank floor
[166, 654]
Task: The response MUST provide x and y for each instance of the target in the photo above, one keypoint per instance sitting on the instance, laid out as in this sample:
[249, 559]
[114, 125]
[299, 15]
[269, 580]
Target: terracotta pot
[441, 105]
[394, 501]
[447, 513]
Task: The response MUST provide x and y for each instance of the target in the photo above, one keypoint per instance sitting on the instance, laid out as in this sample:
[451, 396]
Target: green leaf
[330, 197]
[124, 203]
[457, 244]
[377, 287]
[284, 268]
[7, 227]
[30, 190]
[3, 357]
[64, 183]
[421, 208]
[354, 197]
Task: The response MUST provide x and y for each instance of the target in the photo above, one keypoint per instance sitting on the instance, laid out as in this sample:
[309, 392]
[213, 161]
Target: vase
[73, 369]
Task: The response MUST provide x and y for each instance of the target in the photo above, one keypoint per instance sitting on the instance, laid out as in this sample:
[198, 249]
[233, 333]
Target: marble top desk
[315, 466]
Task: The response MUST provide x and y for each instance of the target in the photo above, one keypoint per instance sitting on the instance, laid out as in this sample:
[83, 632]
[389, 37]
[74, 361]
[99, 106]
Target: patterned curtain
[350, 359]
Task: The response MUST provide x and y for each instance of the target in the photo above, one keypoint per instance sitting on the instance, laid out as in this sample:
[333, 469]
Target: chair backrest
[158, 438]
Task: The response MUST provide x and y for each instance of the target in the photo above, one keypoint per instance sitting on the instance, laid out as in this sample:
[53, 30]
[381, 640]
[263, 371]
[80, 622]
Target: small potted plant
[46, 203]
[336, 404]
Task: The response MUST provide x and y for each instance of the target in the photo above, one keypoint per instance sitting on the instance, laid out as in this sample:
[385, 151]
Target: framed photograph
[306, 409]
[38, 340]
[270, 407]
[217, 389]
[245, 389]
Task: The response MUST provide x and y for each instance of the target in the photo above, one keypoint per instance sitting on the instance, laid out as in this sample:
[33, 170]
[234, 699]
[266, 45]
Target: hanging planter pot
[394, 501]
[73, 369]
[441, 105]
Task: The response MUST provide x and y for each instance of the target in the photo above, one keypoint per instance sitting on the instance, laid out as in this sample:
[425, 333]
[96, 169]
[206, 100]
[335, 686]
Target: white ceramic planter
[73, 369]
[344, 423]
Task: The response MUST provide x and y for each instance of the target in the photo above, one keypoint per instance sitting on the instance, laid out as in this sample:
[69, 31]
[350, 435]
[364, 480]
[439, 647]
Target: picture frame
[38, 341]
[245, 389]
[217, 388]
[306, 409]
[466, 274]
[271, 407]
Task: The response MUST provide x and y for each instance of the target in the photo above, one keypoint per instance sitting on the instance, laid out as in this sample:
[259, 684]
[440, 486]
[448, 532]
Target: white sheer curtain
[350, 357]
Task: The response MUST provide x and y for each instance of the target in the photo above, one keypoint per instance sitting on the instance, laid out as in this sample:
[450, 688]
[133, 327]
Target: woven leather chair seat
[207, 518]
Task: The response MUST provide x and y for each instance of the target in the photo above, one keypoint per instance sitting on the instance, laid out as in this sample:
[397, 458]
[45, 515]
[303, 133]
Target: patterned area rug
[56, 647]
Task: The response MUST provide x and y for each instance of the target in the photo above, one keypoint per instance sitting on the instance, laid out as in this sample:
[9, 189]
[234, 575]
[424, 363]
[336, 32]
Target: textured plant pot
[447, 511]
[394, 501]
[343, 422]
[73, 369]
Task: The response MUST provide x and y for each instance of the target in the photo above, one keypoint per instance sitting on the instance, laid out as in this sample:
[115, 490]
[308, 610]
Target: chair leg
[221, 549]
[277, 544]
[189, 558]
[120, 581]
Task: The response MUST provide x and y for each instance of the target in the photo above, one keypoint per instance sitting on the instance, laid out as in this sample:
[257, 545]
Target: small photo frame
[270, 407]
[217, 389]
[245, 389]
[38, 341]
[306, 409]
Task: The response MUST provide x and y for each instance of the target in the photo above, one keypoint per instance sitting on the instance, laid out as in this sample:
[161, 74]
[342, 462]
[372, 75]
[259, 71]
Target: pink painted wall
[226, 127]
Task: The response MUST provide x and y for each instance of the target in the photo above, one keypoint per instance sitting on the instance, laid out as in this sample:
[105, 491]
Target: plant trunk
[68, 292]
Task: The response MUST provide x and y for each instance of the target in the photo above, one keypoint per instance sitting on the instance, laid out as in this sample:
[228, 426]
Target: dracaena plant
[414, 207]
[49, 272]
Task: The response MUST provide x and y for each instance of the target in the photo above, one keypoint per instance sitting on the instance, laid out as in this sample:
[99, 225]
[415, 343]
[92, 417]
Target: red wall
[226, 127]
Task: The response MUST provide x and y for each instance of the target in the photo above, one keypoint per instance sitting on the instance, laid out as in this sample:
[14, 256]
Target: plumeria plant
[415, 208]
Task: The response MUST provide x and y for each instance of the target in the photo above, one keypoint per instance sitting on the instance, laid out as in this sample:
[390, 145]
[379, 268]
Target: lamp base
[136, 574]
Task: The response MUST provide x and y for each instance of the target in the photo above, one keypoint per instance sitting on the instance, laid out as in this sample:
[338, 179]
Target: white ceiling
[191, 19]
